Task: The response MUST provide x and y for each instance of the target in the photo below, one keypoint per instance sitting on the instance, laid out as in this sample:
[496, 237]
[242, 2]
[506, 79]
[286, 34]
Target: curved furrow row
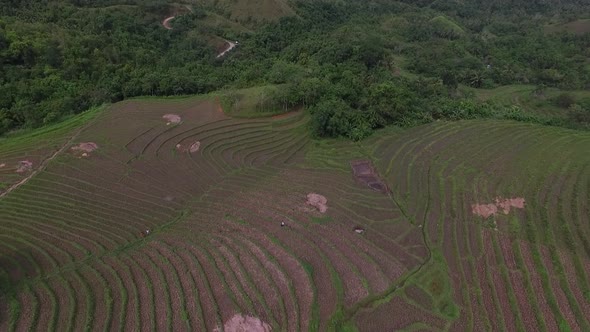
[187, 295]
[262, 279]
[117, 297]
[210, 309]
[146, 299]
[247, 281]
[178, 319]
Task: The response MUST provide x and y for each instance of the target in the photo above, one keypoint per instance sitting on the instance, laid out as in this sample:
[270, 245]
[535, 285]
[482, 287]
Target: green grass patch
[435, 281]
[446, 27]
[235, 219]
[321, 220]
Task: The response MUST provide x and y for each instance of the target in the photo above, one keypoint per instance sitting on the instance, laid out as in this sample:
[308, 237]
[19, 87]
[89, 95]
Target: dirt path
[166, 22]
[227, 49]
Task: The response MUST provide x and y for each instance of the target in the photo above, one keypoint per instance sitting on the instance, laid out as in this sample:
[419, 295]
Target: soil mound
[195, 147]
[504, 204]
[484, 210]
[318, 201]
[85, 147]
[172, 118]
[24, 166]
[192, 148]
[245, 323]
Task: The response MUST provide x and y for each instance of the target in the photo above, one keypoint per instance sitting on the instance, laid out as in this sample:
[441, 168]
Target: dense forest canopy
[355, 65]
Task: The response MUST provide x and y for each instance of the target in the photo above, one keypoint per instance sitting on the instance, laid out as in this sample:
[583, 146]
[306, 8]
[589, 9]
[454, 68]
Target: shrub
[564, 100]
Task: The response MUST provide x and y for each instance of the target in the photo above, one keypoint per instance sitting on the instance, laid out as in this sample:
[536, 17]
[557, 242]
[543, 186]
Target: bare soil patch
[194, 147]
[172, 118]
[245, 323]
[503, 204]
[365, 173]
[84, 149]
[318, 201]
[24, 166]
[484, 210]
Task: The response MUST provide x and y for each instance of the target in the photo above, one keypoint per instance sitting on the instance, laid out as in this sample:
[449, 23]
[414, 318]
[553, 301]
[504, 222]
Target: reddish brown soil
[24, 166]
[570, 274]
[493, 287]
[508, 253]
[219, 107]
[143, 303]
[267, 291]
[488, 210]
[318, 201]
[252, 280]
[172, 118]
[173, 286]
[524, 305]
[205, 296]
[484, 210]
[562, 301]
[85, 147]
[280, 280]
[195, 147]
[539, 292]
[112, 279]
[245, 323]
[507, 203]
[44, 304]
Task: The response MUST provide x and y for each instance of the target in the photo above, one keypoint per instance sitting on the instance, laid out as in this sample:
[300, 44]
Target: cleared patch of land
[578, 27]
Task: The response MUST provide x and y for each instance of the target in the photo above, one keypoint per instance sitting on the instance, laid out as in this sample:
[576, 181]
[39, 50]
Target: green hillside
[274, 165]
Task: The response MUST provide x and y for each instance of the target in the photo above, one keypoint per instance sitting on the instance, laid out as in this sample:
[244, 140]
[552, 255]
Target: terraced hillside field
[169, 215]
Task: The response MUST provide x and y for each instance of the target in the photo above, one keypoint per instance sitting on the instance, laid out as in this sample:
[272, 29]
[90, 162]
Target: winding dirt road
[231, 45]
[227, 49]
[166, 22]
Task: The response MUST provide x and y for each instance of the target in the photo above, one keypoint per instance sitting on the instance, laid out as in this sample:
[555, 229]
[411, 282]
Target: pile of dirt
[2, 165]
[172, 118]
[318, 201]
[504, 204]
[24, 166]
[195, 147]
[192, 148]
[507, 203]
[484, 210]
[83, 149]
[365, 173]
[244, 323]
